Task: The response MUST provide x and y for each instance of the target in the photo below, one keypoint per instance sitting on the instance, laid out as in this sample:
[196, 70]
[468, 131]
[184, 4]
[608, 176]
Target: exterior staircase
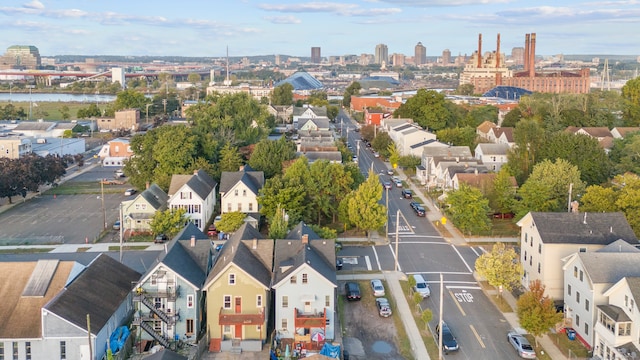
[161, 339]
[161, 314]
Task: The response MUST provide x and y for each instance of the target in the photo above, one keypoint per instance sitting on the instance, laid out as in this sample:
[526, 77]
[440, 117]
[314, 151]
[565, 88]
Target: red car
[212, 231]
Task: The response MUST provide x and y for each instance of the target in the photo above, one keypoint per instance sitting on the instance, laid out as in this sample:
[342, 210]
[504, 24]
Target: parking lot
[65, 219]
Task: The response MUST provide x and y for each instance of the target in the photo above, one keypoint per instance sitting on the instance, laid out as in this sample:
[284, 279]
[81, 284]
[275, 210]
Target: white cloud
[283, 19]
[34, 4]
[329, 7]
[441, 3]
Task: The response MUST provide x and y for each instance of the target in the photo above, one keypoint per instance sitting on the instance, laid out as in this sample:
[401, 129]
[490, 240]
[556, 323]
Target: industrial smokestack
[526, 52]
[532, 56]
[479, 64]
[498, 52]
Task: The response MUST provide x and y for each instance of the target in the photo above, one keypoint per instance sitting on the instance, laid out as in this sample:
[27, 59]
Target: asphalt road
[479, 327]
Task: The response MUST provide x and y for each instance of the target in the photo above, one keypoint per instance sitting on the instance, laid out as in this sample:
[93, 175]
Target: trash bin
[571, 334]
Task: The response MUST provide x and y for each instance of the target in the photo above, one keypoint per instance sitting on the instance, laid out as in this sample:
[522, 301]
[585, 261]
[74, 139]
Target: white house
[547, 238]
[239, 191]
[304, 283]
[587, 276]
[318, 123]
[196, 194]
[617, 327]
[493, 156]
[432, 155]
[138, 213]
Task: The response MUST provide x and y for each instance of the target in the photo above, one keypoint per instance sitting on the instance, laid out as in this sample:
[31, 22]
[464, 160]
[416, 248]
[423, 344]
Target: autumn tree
[500, 267]
[536, 311]
[168, 222]
[231, 221]
[364, 209]
[468, 209]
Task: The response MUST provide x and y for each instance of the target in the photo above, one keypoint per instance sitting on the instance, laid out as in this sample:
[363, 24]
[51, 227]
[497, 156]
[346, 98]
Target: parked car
[352, 290]
[407, 194]
[421, 286]
[414, 205]
[129, 192]
[338, 264]
[398, 183]
[116, 225]
[389, 172]
[449, 342]
[384, 308]
[420, 211]
[160, 238]
[376, 154]
[212, 231]
[386, 185]
[377, 287]
[119, 174]
[354, 159]
[522, 345]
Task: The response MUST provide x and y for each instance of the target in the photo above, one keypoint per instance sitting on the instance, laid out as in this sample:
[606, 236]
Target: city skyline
[288, 27]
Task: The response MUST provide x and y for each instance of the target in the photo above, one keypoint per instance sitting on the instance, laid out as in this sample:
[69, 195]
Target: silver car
[377, 287]
[384, 308]
[522, 345]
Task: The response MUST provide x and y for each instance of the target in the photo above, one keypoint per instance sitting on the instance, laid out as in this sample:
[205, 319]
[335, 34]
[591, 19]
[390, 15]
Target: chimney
[255, 244]
[193, 241]
[195, 172]
[526, 53]
[305, 238]
[479, 64]
[532, 56]
[146, 185]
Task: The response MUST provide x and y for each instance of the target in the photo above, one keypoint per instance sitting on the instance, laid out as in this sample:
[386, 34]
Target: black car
[352, 290]
[338, 264]
[407, 194]
[414, 205]
[449, 342]
[419, 211]
[160, 239]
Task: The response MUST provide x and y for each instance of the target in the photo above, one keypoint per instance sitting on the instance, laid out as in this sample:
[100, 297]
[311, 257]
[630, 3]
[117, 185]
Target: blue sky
[265, 27]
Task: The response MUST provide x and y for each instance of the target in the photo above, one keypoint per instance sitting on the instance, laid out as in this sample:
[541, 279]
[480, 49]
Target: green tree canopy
[168, 222]
[529, 138]
[427, 108]
[468, 209]
[381, 144]
[268, 156]
[458, 136]
[230, 158]
[353, 89]
[130, 99]
[231, 221]
[625, 154]
[282, 95]
[631, 96]
[503, 192]
[365, 211]
[500, 267]
[536, 311]
[278, 225]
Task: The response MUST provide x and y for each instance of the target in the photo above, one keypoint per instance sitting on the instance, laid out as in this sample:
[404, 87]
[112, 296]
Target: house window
[583, 249]
[239, 206]
[569, 290]
[531, 261]
[305, 278]
[293, 279]
[578, 297]
[1, 350]
[540, 248]
[626, 301]
[575, 271]
[586, 304]
[631, 303]
[27, 349]
[229, 207]
[538, 268]
[185, 195]
[624, 329]
[189, 301]
[525, 255]
[327, 301]
[259, 301]
[526, 237]
[285, 301]
[154, 280]
[284, 324]
[586, 328]
[581, 275]
[227, 329]
[235, 192]
[141, 206]
[63, 350]
[232, 279]
[244, 192]
[227, 302]
[189, 327]
[577, 320]
[250, 207]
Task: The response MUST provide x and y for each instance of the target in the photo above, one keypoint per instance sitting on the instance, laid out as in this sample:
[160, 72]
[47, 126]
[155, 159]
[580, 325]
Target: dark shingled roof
[612, 263]
[319, 254]
[98, 290]
[190, 263]
[155, 196]
[583, 228]
[240, 251]
[200, 182]
[615, 313]
[254, 180]
[634, 285]
[202, 251]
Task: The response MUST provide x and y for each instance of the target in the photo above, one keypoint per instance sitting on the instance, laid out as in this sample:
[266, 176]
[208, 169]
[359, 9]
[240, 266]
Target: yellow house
[238, 293]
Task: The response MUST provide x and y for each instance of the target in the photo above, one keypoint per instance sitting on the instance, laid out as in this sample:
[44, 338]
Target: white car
[377, 287]
[129, 192]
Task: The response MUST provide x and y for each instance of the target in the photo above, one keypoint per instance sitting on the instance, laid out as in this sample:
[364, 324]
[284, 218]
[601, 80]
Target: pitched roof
[493, 149]
[507, 131]
[599, 132]
[422, 143]
[185, 261]
[239, 250]
[155, 196]
[21, 315]
[254, 180]
[614, 312]
[202, 251]
[583, 228]
[292, 252]
[634, 285]
[200, 182]
[450, 151]
[481, 180]
[99, 290]
[486, 126]
[612, 263]
[34, 126]
[624, 131]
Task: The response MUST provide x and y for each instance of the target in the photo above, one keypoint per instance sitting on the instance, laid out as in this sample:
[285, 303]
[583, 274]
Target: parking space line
[455, 301]
[477, 336]
[440, 272]
[368, 262]
[377, 259]
[461, 258]
[474, 251]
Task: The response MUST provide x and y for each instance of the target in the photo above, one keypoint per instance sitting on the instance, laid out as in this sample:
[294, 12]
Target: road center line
[461, 258]
[377, 259]
[477, 336]
[455, 301]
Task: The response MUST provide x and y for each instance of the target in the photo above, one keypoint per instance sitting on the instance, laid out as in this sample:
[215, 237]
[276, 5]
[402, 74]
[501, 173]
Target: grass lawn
[541, 354]
[25, 250]
[127, 247]
[51, 110]
[87, 187]
[565, 345]
[427, 337]
[502, 228]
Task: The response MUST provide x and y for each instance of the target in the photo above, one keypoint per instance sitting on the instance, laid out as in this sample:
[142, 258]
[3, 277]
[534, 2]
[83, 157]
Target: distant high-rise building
[278, 60]
[316, 58]
[446, 57]
[420, 57]
[397, 59]
[517, 56]
[21, 57]
[381, 54]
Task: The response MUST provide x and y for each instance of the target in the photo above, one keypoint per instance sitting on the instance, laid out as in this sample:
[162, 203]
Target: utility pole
[386, 228]
[89, 335]
[121, 230]
[440, 320]
[569, 202]
[397, 236]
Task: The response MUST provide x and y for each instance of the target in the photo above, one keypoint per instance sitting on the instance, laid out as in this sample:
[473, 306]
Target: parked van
[421, 287]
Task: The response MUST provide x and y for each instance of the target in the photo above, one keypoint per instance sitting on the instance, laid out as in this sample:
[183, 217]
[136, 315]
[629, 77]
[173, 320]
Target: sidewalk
[91, 247]
[393, 282]
[457, 238]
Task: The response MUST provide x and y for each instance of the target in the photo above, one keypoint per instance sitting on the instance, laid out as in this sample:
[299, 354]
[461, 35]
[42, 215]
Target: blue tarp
[118, 338]
[330, 350]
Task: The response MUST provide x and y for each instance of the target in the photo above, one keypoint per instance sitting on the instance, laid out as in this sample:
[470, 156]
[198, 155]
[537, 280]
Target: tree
[597, 198]
[536, 311]
[427, 108]
[411, 282]
[282, 95]
[130, 99]
[193, 78]
[465, 89]
[230, 158]
[417, 299]
[353, 89]
[231, 221]
[168, 222]
[503, 192]
[394, 154]
[631, 96]
[458, 136]
[500, 267]
[64, 111]
[381, 144]
[332, 112]
[625, 154]
[89, 112]
[269, 155]
[278, 226]
[528, 136]
[364, 209]
[426, 316]
[468, 209]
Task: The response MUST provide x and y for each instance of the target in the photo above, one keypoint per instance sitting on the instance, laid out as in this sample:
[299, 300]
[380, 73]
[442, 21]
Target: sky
[289, 27]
